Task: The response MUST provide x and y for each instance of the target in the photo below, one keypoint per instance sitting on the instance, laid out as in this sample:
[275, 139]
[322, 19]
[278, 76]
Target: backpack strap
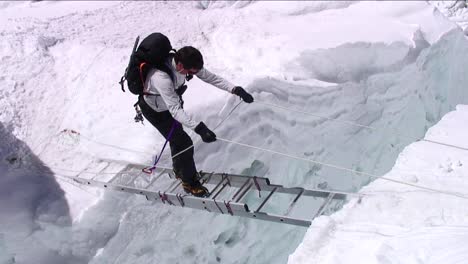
[124, 77]
[142, 65]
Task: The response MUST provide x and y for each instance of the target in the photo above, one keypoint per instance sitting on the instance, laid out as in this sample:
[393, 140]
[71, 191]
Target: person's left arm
[222, 84]
[215, 80]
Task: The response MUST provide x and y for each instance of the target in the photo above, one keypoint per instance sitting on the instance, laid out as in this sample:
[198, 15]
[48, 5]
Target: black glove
[206, 134]
[245, 96]
[181, 90]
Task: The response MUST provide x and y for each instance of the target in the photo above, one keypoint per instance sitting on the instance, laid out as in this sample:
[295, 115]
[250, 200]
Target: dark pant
[184, 165]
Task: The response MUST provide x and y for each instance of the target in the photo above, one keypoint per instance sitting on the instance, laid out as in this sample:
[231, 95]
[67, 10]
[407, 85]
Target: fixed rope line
[352, 123]
[113, 146]
[131, 150]
[445, 144]
[326, 164]
[346, 169]
[314, 115]
[80, 81]
[222, 121]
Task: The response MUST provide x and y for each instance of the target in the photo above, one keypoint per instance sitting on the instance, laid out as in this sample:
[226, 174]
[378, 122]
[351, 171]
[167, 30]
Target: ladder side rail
[133, 165]
[189, 200]
[276, 218]
[115, 187]
[238, 180]
[324, 193]
[206, 204]
[307, 192]
[237, 209]
[117, 175]
[264, 184]
[235, 179]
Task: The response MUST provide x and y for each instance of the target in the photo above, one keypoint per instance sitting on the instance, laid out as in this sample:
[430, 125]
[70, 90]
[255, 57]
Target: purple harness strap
[169, 136]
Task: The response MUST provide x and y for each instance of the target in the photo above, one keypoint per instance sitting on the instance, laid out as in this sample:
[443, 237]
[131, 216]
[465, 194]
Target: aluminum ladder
[230, 194]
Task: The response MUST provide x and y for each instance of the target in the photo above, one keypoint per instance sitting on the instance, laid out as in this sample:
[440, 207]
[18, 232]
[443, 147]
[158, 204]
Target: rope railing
[353, 123]
[456, 194]
[464, 196]
[460, 195]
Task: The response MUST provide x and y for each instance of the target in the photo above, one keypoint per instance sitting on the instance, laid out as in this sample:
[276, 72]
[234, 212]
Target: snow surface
[395, 66]
[455, 10]
[400, 224]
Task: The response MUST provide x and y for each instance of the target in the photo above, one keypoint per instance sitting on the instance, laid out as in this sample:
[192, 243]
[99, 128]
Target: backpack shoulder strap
[163, 67]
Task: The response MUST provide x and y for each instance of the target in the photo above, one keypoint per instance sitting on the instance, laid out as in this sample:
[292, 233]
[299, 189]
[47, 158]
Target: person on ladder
[162, 106]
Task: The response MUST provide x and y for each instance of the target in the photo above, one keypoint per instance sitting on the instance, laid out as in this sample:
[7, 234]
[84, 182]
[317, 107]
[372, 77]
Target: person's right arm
[163, 83]
[165, 87]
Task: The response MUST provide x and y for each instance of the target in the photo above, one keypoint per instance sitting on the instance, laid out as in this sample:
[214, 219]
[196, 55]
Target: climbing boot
[196, 189]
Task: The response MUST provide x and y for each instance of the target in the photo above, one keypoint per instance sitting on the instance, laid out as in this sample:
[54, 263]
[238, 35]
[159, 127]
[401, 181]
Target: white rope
[314, 115]
[352, 123]
[113, 146]
[315, 161]
[216, 127]
[136, 151]
[349, 170]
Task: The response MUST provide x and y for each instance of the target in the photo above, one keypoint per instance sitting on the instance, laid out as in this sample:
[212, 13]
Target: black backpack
[152, 53]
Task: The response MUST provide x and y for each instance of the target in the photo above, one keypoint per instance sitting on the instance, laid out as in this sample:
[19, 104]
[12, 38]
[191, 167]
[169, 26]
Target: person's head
[188, 60]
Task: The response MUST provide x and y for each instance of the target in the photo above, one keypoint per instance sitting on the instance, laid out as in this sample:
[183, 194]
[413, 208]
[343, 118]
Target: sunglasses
[192, 71]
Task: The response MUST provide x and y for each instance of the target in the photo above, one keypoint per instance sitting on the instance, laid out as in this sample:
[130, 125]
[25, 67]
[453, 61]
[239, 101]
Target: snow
[400, 224]
[395, 66]
[456, 11]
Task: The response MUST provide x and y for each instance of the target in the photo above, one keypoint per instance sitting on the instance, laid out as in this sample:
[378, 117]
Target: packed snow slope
[397, 67]
[392, 223]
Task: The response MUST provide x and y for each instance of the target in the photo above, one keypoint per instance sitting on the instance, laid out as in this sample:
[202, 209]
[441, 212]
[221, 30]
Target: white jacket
[160, 83]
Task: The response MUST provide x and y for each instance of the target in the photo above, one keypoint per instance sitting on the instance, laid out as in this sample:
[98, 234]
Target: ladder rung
[115, 177]
[220, 190]
[98, 173]
[291, 206]
[175, 187]
[155, 179]
[171, 186]
[266, 199]
[240, 189]
[132, 179]
[206, 179]
[244, 193]
[221, 183]
[217, 185]
[324, 205]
